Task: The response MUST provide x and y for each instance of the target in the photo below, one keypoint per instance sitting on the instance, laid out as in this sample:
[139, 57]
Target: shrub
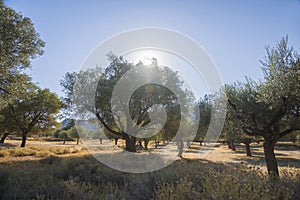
[22, 152]
[43, 153]
[4, 153]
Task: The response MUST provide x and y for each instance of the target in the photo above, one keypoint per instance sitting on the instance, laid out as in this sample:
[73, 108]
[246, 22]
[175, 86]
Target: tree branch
[107, 127]
[288, 131]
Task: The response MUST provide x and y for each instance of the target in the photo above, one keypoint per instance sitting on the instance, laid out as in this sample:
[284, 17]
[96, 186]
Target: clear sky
[234, 33]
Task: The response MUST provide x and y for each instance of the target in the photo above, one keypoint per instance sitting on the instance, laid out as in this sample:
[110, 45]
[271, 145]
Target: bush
[4, 153]
[61, 150]
[20, 152]
[56, 133]
[43, 153]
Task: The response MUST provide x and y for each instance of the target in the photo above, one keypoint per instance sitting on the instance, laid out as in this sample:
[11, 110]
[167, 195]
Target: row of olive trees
[24, 107]
[269, 109]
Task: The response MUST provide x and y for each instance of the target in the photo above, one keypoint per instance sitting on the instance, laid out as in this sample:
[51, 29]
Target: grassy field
[69, 172]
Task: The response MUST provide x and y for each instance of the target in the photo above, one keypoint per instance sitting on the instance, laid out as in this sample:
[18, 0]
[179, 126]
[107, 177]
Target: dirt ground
[287, 153]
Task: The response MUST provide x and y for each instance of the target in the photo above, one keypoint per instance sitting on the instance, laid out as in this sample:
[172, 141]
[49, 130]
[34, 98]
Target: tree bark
[270, 157]
[180, 148]
[130, 142]
[146, 144]
[229, 144]
[77, 141]
[4, 136]
[140, 143]
[24, 137]
[232, 145]
[247, 144]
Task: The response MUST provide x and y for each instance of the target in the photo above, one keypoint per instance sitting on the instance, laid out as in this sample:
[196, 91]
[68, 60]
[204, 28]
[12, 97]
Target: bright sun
[144, 55]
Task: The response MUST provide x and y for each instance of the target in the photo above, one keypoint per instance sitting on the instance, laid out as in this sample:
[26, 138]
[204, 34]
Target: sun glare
[144, 56]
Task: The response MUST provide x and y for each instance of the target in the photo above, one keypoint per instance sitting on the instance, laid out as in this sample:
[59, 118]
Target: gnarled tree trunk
[231, 145]
[4, 136]
[146, 141]
[130, 142]
[247, 144]
[116, 141]
[24, 137]
[270, 157]
[180, 148]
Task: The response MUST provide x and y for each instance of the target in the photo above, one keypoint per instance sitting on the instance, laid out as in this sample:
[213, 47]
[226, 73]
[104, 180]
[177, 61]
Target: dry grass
[57, 177]
[58, 171]
[36, 152]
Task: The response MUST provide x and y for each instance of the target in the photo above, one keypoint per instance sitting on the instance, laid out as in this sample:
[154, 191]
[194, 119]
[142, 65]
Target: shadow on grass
[7, 145]
[86, 178]
[258, 157]
[287, 146]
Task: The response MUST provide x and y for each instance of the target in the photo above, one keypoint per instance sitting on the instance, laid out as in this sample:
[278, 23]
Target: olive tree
[19, 44]
[36, 108]
[270, 109]
[141, 101]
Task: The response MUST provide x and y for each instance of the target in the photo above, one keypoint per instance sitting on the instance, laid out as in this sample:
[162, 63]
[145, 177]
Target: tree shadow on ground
[7, 145]
[287, 147]
[282, 160]
[58, 177]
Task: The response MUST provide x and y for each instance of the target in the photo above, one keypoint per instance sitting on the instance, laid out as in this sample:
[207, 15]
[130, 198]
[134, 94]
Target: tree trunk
[188, 143]
[232, 145]
[270, 157]
[229, 144]
[140, 143]
[247, 144]
[130, 143]
[64, 141]
[180, 148]
[24, 136]
[4, 136]
[146, 144]
[77, 142]
[116, 141]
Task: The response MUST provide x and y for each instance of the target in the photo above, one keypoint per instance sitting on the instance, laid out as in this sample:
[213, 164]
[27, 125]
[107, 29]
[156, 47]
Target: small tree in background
[36, 108]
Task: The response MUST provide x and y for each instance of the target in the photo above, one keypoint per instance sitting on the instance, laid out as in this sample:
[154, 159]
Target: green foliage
[63, 134]
[87, 103]
[19, 44]
[35, 110]
[270, 109]
[205, 109]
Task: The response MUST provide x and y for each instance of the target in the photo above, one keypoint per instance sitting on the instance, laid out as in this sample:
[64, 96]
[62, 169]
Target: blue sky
[234, 33]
